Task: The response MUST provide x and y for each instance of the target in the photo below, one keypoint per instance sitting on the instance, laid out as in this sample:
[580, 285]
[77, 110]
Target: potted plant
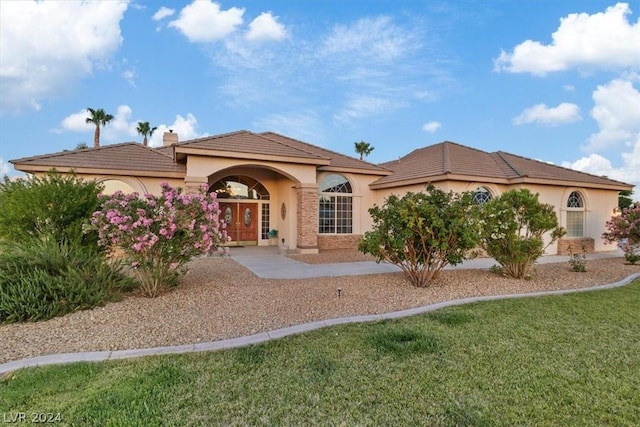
[273, 237]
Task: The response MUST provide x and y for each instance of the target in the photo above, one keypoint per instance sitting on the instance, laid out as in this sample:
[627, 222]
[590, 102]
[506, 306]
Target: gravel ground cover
[220, 299]
[331, 256]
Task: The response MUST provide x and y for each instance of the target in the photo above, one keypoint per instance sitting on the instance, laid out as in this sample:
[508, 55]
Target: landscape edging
[101, 356]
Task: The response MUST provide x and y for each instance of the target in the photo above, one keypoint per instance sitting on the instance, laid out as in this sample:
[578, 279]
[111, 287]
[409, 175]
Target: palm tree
[145, 129]
[363, 148]
[99, 118]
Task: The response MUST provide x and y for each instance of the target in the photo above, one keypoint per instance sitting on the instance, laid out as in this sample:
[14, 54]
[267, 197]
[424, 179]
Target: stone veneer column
[307, 217]
[192, 184]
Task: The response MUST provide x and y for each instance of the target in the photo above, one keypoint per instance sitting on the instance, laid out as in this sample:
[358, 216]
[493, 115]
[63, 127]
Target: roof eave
[254, 156]
[377, 172]
[99, 171]
[438, 178]
[570, 183]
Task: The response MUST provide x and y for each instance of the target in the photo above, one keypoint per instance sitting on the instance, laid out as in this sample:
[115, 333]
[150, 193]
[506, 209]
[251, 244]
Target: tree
[99, 118]
[513, 226]
[145, 129]
[625, 230]
[624, 199]
[423, 232]
[159, 234]
[81, 145]
[53, 205]
[363, 148]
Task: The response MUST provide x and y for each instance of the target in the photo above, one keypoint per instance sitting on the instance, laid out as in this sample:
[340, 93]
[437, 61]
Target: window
[575, 215]
[264, 234]
[335, 207]
[481, 196]
[239, 187]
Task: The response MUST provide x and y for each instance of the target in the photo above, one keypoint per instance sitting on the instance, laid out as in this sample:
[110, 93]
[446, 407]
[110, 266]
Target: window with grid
[481, 196]
[335, 207]
[264, 234]
[575, 215]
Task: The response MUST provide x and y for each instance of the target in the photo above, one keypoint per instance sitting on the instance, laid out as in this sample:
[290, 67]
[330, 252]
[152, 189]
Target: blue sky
[557, 81]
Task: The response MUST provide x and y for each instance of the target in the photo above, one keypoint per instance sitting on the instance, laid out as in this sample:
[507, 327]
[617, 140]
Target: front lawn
[560, 360]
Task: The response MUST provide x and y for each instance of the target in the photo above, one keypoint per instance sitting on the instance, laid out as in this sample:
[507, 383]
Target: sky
[557, 81]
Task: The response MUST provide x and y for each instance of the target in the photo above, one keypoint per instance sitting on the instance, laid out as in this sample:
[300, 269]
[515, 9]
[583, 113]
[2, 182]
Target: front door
[242, 222]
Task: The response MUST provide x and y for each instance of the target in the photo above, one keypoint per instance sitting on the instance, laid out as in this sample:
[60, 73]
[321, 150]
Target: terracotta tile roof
[128, 156]
[441, 161]
[337, 160]
[248, 142]
[536, 169]
[167, 151]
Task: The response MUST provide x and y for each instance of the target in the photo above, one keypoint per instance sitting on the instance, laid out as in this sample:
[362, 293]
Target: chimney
[169, 138]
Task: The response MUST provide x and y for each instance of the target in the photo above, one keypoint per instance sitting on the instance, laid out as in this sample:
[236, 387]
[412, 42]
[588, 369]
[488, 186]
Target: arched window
[481, 196]
[239, 187]
[335, 207]
[575, 215]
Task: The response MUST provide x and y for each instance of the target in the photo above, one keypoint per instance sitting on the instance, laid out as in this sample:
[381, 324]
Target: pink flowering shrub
[159, 234]
[625, 229]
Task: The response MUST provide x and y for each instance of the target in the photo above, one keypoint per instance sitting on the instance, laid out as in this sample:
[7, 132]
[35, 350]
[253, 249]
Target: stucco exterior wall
[599, 204]
[126, 184]
[201, 166]
[297, 228]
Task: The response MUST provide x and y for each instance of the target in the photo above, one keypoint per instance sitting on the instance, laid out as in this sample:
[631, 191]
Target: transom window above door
[239, 187]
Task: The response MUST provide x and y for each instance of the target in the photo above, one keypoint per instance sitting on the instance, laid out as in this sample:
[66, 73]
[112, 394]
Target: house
[319, 199]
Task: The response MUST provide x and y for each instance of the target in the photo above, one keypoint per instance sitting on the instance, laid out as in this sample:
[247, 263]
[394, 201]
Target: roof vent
[169, 138]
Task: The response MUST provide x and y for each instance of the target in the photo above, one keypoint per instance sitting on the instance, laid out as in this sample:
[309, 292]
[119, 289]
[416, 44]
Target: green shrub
[513, 226]
[578, 261]
[54, 205]
[422, 232]
[41, 279]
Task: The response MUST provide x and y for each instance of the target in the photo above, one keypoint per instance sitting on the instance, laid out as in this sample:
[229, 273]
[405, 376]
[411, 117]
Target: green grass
[560, 360]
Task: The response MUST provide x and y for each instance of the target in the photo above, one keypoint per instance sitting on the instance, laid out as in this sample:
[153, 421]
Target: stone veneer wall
[307, 217]
[338, 241]
[575, 243]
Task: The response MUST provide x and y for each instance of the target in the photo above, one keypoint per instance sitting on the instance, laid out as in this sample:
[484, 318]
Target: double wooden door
[242, 222]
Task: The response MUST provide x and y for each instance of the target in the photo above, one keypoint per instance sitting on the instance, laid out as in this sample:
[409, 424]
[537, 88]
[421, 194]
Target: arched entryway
[245, 207]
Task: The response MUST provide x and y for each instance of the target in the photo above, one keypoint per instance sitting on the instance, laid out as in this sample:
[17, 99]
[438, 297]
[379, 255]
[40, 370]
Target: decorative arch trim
[567, 192]
[493, 191]
[131, 181]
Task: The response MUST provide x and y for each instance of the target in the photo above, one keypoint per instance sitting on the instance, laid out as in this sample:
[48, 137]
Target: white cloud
[604, 40]
[540, 113]
[5, 168]
[629, 172]
[48, 46]
[365, 106]
[75, 122]
[185, 127]
[203, 21]
[431, 127]
[123, 127]
[130, 76]
[569, 88]
[303, 125]
[119, 129]
[377, 65]
[375, 38]
[162, 13]
[617, 112]
[266, 27]
[128, 72]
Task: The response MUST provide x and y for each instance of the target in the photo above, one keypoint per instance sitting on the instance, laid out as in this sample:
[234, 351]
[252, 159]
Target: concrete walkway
[268, 263]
